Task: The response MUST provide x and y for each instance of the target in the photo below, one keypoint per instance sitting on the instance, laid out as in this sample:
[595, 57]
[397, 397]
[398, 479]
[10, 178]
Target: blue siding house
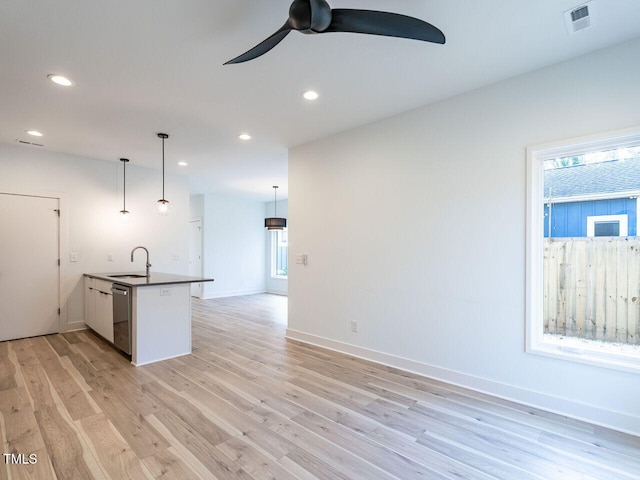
[596, 199]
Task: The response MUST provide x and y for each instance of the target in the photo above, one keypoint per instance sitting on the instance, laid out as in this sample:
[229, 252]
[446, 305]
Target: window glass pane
[280, 254]
[590, 195]
[607, 229]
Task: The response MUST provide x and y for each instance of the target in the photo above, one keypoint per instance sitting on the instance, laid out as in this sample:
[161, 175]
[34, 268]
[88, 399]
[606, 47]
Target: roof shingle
[593, 178]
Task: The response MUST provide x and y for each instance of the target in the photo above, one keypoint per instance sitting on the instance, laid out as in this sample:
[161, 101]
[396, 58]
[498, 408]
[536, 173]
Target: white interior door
[29, 270]
[195, 255]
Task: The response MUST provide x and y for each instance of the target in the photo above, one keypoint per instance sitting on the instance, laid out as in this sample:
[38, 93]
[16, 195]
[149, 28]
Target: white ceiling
[147, 66]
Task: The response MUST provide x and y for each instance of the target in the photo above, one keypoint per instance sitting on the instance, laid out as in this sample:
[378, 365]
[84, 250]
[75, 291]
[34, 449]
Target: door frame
[63, 246]
[194, 220]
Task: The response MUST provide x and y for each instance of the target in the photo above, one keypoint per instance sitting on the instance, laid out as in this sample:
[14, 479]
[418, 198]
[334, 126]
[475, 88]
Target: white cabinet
[98, 307]
[159, 312]
[161, 322]
[89, 302]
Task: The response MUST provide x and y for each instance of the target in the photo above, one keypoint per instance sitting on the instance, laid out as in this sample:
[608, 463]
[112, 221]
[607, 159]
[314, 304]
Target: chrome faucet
[147, 264]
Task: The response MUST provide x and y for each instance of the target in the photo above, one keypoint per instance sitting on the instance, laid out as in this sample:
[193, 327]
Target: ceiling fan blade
[383, 23]
[264, 46]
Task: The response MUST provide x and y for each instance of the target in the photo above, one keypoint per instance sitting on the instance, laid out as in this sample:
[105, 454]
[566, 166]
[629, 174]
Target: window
[583, 252]
[279, 254]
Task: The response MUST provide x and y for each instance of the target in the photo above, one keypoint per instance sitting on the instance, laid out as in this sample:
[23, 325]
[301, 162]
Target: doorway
[29, 266]
[195, 254]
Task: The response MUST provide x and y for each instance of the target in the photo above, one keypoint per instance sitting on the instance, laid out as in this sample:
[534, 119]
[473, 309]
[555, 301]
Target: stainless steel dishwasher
[122, 317]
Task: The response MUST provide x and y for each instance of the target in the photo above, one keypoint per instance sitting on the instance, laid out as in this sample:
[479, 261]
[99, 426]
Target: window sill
[279, 277]
[590, 352]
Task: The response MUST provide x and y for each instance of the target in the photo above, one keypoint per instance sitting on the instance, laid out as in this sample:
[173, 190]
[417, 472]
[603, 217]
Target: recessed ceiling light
[60, 80]
[244, 136]
[310, 95]
[34, 133]
[183, 164]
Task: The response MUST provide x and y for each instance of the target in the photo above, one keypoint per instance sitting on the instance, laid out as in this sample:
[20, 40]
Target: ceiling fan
[316, 16]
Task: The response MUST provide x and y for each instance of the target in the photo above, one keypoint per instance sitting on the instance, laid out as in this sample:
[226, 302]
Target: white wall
[90, 223]
[278, 286]
[415, 228]
[233, 252]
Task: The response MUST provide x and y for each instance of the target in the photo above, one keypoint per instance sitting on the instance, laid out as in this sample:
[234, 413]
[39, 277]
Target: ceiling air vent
[29, 143]
[579, 18]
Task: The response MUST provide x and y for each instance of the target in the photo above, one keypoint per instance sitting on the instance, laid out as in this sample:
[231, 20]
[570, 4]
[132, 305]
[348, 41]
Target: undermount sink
[127, 275]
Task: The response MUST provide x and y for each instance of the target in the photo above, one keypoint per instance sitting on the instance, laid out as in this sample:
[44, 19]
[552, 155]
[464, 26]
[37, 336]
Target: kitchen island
[159, 312]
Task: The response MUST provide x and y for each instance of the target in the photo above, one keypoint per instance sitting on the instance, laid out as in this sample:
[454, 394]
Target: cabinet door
[104, 315]
[103, 310]
[89, 302]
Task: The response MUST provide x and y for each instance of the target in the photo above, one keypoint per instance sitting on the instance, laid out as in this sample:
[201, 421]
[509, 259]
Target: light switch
[301, 258]
[73, 257]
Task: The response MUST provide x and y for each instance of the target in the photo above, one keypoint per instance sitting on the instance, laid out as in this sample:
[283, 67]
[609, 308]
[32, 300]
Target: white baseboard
[75, 326]
[282, 293]
[232, 293]
[140, 364]
[568, 408]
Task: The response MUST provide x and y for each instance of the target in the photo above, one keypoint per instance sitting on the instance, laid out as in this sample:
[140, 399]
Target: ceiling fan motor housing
[310, 16]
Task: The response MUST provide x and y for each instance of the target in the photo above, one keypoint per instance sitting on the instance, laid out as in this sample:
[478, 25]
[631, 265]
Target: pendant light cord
[275, 202]
[163, 168]
[163, 136]
[124, 187]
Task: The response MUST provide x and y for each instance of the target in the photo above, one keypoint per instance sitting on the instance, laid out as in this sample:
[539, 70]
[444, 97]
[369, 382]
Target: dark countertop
[155, 278]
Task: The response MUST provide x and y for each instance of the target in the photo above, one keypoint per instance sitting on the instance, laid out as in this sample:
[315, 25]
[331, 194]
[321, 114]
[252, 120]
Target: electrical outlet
[109, 257]
[176, 257]
[354, 326]
[73, 257]
[165, 292]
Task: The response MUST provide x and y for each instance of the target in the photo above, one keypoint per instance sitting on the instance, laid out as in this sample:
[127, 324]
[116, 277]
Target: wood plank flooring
[248, 404]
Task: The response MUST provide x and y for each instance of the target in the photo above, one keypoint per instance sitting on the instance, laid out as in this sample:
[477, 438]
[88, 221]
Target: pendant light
[275, 223]
[162, 205]
[124, 213]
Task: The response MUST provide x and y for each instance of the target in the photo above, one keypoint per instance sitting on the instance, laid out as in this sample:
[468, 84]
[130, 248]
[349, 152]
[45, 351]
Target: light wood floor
[250, 405]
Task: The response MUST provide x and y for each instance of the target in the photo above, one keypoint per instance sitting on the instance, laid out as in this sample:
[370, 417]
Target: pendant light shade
[162, 205]
[124, 213]
[275, 223]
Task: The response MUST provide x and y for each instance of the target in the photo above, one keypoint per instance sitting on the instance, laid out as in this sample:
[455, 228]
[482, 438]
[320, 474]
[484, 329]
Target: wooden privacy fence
[591, 288]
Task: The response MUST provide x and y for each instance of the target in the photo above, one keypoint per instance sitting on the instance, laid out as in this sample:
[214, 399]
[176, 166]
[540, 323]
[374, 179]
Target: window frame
[591, 353]
[623, 223]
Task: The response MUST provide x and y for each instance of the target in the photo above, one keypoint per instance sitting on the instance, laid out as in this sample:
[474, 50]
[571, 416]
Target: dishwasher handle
[117, 291]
